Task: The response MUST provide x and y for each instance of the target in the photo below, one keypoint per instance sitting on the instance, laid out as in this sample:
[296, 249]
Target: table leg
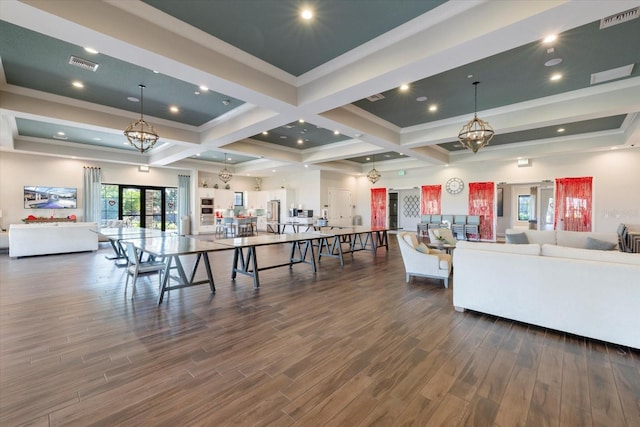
[207, 266]
[165, 278]
[254, 264]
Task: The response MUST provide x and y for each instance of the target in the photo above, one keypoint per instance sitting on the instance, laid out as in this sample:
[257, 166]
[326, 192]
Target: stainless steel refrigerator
[273, 210]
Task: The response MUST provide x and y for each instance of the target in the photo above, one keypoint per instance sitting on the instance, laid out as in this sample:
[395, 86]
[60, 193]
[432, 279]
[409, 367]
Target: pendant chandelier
[477, 133]
[141, 134]
[225, 175]
[373, 175]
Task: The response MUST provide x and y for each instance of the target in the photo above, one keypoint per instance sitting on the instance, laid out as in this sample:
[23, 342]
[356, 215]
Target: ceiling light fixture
[404, 87]
[433, 108]
[555, 77]
[141, 134]
[225, 175]
[550, 38]
[477, 133]
[91, 50]
[373, 175]
[306, 14]
[77, 84]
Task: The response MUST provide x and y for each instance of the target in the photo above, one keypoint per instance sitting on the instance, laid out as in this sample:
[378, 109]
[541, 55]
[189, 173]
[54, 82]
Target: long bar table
[116, 235]
[171, 248]
[281, 227]
[245, 260]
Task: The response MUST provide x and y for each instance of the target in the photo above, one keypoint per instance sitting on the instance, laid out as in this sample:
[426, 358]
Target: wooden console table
[45, 220]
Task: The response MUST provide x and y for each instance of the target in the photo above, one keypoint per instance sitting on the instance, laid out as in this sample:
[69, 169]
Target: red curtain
[481, 200]
[378, 207]
[573, 204]
[431, 200]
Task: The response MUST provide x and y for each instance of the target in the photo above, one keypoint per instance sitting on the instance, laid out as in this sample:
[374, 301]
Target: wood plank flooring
[347, 346]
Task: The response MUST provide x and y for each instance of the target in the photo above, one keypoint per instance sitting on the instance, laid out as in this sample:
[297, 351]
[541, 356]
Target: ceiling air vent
[613, 74]
[376, 97]
[619, 18]
[83, 63]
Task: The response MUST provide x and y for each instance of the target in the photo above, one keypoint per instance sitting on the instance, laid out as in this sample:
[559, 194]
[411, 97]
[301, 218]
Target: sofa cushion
[599, 245]
[517, 238]
[578, 239]
[523, 249]
[590, 255]
[536, 236]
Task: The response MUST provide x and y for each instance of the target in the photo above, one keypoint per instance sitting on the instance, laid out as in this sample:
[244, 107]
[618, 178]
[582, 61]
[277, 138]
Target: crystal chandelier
[373, 175]
[477, 133]
[141, 134]
[225, 175]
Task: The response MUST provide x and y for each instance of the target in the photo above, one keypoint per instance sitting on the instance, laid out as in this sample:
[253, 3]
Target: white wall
[19, 170]
[616, 184]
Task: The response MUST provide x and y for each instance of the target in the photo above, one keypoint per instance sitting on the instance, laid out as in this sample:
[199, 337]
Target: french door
[139, 206]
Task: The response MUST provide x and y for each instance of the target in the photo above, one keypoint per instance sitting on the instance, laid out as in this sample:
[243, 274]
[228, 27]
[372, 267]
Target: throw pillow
[517, 238]
[599, 245]
[422, 248]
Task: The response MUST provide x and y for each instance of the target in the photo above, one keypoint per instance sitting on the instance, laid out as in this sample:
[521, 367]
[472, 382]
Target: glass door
[131, 206]
[153, 208]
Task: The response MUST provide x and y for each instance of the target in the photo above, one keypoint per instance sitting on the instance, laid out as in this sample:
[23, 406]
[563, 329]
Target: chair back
[460, 219]
[473, 220]
[425, 218]
[447, 219]
[132, 253]
[436, 219]
[227, 220]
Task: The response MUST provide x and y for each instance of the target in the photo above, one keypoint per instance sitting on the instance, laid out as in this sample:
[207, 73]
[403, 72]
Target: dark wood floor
[348, 346]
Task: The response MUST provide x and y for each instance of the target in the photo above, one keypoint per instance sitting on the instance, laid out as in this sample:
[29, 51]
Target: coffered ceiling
[253, 81]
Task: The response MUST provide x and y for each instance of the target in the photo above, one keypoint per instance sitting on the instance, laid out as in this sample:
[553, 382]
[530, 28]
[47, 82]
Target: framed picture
[499, 198]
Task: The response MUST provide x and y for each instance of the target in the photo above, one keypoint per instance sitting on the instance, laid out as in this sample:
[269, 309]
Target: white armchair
[433, 264]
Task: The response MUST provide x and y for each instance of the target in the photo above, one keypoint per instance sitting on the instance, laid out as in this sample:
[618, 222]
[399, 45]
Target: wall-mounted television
[50, 197]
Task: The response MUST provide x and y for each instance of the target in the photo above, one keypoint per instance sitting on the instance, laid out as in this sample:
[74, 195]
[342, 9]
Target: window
[524, 207]
[140, 206]
[238, 198]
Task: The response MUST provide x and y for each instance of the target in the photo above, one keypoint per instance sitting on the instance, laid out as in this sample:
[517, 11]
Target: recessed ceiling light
[174, 109]
[226, 102]
[387, 155]
[77, 84]
[273, 170]
[368, 158]
[97, 139]
[196, 93]
[555, 77]
[358, 135]
[550, 38]
[404, 87]
[90, 50]
[265, 133]
[133, 99]
[614, 148]
[283, 136]
[204, 88]
[306, 166]
[198, 154]
[433, 107]
[552, 62]
[421, 98]
[401, 154]
[73, 157]
[156, 72]
[469, 76]
[300, 141]
[61, 133]
[306, 14]
[560, 130]
[301, 121]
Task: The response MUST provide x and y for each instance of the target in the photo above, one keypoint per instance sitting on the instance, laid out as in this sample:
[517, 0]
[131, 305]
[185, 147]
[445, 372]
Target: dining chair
[229, 226]
[136, 266]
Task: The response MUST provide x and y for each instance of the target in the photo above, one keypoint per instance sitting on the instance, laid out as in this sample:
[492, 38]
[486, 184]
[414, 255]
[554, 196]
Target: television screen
[50, 198]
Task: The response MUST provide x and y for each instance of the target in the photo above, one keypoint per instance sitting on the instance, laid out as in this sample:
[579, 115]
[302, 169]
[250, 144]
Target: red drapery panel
[431, 200]
[481, 200]
[573, 204]
[378, 207]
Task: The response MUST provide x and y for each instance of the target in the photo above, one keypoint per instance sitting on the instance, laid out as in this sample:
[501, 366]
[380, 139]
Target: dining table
[171, 248]
[115, 236]
[245, 260]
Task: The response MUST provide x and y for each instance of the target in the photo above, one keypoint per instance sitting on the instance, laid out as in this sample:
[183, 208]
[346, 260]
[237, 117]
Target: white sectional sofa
[52, 238]
[592, 293]
[572, 239]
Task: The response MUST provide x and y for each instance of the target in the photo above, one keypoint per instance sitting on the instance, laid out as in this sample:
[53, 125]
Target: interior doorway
[393, 210]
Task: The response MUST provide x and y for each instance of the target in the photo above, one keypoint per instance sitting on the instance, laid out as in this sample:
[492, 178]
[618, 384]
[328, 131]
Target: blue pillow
[599, 245]
[517, 238]
[422, 248]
